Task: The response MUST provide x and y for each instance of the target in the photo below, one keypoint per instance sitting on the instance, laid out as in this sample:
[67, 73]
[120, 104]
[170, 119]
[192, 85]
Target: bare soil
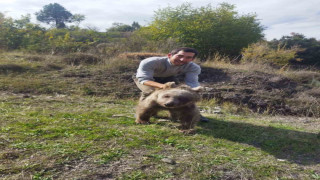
[259, 91]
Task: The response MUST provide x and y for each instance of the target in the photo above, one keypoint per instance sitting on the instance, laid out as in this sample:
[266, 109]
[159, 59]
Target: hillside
[295, 93]
[71, 117]
[261, 88]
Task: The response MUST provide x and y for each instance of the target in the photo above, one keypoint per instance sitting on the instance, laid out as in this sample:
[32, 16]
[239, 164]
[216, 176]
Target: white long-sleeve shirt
[162, 67]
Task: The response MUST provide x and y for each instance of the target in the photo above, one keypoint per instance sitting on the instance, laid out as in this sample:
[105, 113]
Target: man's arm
[154, 84]
[192, 77]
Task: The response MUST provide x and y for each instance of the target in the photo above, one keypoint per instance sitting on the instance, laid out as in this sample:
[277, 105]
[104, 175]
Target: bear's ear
[198, 89]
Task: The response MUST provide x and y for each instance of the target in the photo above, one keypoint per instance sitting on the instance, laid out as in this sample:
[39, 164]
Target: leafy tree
[310, 55]
[21, 34]
[23, 21]
[209, 30]
[78, 18]
[34, 38]
[119, 27]
[10, 35]
[3, 31]
[135, 26]
[120, 31]
[55, 13]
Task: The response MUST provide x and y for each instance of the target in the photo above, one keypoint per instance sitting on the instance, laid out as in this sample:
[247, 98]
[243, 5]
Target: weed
[135, 175]
[40, 176]
[315, 176]
[111, 155]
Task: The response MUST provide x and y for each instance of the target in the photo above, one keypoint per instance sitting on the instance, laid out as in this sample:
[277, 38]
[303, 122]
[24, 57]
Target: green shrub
[263, 53]
[310, 53]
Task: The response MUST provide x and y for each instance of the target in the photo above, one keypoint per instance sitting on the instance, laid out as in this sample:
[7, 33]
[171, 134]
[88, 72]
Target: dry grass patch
[35, 58]
[11, 68]
[244, 67]
[306, 103]
[81, 58]
[304, 76]
[140, 55]
[264, 88]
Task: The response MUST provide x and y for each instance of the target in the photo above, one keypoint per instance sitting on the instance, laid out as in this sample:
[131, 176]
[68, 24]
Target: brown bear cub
[179, 101]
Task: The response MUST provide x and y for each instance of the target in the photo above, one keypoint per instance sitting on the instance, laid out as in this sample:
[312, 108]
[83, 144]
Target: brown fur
[179, 101]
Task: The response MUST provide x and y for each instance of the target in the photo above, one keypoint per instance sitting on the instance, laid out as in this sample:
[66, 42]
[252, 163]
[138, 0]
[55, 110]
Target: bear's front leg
[174, 115]
[189, 116]
[143, 114]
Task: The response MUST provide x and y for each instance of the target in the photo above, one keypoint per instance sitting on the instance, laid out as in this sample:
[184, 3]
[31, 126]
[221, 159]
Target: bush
[263, 53]
[310, 53]
[208, 29]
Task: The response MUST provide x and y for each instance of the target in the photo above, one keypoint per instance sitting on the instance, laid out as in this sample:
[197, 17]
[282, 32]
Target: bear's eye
[166, 96]
[183, 99]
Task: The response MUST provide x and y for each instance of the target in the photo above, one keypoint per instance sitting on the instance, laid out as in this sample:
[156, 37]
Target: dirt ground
[262, 92]
[259, 91]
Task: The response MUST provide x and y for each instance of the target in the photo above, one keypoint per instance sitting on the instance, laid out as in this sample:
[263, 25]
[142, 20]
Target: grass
[297, 88]
[77, 122]
[88, 137]
[52, 75]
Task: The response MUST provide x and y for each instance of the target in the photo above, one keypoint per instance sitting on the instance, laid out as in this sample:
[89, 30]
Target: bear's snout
[179, 101]
[169, 104]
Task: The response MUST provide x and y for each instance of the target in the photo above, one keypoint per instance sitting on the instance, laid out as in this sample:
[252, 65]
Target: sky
[279, 17]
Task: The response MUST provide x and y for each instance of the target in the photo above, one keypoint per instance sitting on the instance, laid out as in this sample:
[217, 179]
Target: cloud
[308, 27]
[279, 17]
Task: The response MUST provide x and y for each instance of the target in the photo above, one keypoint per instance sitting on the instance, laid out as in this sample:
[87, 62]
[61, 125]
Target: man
[154, 72]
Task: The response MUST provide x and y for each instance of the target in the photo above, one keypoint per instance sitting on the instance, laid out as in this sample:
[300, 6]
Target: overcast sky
[279, 17]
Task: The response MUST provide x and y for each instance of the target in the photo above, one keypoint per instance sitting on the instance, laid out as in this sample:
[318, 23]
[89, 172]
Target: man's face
[181, 58]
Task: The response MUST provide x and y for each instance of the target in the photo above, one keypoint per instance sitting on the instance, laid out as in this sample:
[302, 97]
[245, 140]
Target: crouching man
[154, 72]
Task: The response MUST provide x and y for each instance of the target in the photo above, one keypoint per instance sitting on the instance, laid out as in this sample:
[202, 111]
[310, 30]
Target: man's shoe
[203, 119]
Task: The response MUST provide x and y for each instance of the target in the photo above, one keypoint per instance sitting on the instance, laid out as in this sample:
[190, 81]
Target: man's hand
[169, 85]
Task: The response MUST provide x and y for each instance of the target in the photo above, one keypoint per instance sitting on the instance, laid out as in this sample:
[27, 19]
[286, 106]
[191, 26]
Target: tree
[209, 30]
[23, 21]
[55, 13]
[10, 36]
[135, 26]
[310, 55]
[78, 18]
[20, 33]
[120, 27]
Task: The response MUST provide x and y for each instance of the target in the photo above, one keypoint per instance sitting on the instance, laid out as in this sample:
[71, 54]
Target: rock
[168, 161]
[120, 115]
[163, 120]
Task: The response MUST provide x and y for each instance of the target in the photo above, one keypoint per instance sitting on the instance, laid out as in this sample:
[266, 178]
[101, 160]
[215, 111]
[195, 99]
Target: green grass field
[58, 124]
[76, 137]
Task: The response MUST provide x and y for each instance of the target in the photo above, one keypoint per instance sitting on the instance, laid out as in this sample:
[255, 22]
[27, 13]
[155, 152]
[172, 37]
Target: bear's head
[177, 97]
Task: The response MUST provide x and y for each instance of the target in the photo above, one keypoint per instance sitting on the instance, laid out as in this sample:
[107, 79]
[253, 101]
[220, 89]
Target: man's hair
[185, 49]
